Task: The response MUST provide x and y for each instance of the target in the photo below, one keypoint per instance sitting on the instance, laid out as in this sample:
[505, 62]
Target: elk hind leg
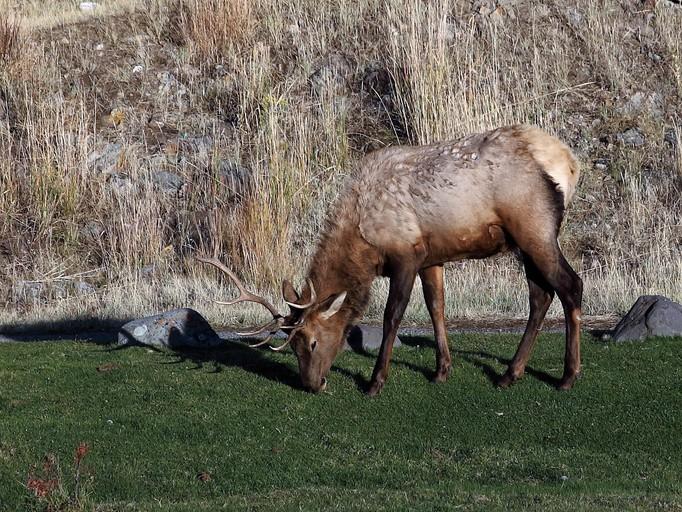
[434, 296]
[542, 247]
[540, 297]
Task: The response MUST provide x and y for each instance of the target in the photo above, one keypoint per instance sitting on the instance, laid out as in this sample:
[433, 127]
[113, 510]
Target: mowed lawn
[157, 421]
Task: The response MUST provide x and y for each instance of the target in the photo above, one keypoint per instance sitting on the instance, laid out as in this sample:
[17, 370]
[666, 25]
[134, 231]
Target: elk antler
[272, 326]
[313, 298]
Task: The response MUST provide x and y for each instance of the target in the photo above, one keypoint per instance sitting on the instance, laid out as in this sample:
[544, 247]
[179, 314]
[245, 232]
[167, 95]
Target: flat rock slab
[179, 328]
[651, 315]
[366, 337]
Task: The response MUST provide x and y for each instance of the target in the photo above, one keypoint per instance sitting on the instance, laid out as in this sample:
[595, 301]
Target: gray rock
[235, 177]
[201, 146]
[29, 291]
[601, 164]
[179, 328]
[335, 71]
[92, 231]
[120, 183]
[631, 137]
[84, 288]
[4, 109]
[106, 159]
[574, 17]
[168, 182]
[377, 79]
[671, 136]
[484, 7]
[640, 102]
[651, 315]
[366, 337]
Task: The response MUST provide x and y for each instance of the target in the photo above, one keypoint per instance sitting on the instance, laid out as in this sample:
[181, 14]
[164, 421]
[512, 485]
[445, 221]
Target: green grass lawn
[155, 421]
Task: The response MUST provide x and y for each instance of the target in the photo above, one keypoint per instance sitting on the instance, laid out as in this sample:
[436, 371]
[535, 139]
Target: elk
[410, 209]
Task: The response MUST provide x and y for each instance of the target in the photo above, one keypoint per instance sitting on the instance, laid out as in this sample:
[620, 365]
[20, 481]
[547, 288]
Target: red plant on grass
[50, 490]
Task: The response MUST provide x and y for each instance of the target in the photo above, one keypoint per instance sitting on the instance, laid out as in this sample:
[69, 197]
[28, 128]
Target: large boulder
[179, 328]
[651, 315]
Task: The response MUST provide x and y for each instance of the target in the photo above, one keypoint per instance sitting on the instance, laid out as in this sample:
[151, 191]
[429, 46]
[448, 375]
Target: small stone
[671, 136]
[138, 69]
[631, 137]
[574, 17]
[236, 178]
[92, 231]
[84, 288]
[107, 158]
[29, 291]
[601, 164]
[87, 6]
[447, 31]
[378, 82]
[99, 47]
[179, 328]
[643, 102]
[335, 72]
[168, 182]
[498, 14]
[120, 183]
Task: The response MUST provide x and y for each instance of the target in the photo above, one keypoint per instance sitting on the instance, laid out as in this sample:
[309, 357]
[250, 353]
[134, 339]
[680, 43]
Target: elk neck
[344, 261]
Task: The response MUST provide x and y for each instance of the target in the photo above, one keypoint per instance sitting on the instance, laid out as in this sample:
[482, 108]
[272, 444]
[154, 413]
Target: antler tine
[245, 295]
[281, 347]
[313, 298]
[291, 335]
[273, 324]
[263, 342]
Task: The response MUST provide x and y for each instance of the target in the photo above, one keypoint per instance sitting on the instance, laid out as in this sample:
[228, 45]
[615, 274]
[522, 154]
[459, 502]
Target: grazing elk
[408, 210]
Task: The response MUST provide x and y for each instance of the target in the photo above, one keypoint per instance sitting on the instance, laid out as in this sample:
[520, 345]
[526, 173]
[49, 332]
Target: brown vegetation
[137, 136]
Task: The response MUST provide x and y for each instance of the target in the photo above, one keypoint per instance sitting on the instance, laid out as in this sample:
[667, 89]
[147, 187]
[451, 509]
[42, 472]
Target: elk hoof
[506, 380]
[441, 376]
[375, 388]
[567, 382]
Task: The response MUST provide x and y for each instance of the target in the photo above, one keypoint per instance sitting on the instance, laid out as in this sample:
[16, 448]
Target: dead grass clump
[214, 27]
[10, 41]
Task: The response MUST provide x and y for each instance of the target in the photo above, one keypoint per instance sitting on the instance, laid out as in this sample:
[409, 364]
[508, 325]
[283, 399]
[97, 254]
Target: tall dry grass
[280, 87]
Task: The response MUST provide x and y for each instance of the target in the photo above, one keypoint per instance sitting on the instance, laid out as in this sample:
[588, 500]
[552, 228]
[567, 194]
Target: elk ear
[288, 292]
[335, 306]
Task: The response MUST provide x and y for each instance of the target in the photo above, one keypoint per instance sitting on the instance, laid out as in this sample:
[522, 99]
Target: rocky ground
[134, 142]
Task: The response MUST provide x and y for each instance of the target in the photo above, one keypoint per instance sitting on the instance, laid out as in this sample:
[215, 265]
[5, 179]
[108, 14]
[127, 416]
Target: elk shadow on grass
[479, 359]
[231, 354]
[482, 361]
[363, 383]
[98, 331]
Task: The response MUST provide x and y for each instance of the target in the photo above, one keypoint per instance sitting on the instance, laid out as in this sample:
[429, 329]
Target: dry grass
[10, 41]
[296, 93]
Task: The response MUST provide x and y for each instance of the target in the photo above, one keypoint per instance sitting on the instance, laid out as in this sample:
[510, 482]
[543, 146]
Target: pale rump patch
[555, 158]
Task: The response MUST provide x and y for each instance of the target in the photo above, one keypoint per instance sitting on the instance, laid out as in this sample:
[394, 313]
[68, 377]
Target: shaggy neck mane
[344, 261]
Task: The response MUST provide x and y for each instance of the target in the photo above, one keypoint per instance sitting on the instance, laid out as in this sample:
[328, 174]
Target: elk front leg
[434, 296]
[399, 291]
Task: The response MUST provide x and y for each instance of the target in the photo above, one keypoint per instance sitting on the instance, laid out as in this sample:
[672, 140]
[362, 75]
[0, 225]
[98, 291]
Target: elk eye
[313, 345]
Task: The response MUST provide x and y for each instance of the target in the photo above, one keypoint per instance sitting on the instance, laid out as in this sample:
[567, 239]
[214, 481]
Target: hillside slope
[146, 131]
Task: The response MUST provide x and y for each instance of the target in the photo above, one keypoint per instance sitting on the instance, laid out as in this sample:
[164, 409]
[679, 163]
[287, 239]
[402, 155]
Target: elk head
[314, 330]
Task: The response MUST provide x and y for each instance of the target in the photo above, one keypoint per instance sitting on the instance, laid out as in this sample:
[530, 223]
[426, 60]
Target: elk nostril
[324, 384]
